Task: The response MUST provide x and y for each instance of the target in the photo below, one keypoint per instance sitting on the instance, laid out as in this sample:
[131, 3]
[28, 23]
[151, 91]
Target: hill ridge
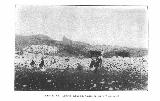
[76, 48]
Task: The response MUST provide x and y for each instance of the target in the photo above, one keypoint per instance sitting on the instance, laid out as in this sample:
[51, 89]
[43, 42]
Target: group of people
[41, 65]
[96, 61]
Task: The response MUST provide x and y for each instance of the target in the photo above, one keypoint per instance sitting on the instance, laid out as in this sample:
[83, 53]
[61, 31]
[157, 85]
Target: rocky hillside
[68, 47]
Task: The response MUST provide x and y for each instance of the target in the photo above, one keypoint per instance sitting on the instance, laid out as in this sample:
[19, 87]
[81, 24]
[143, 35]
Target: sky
[104, 25]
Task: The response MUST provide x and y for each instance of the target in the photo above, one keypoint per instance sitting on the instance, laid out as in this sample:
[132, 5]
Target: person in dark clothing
[98, 63]
[32, 63]
[42, 63]
[96, 60]
[92, 64]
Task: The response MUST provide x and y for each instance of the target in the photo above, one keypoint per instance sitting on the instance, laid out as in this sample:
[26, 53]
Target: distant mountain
[68, 47]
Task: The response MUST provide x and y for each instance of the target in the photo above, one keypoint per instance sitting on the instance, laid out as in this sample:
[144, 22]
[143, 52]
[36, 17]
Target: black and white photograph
[81, 48]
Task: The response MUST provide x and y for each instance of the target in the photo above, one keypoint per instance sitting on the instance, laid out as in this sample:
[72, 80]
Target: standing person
[42, 63]
[32, 63]
[92, 64]
[96, 60]
[98, 63]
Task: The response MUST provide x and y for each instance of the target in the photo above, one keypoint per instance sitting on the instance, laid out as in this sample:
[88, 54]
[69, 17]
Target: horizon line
[84, 42]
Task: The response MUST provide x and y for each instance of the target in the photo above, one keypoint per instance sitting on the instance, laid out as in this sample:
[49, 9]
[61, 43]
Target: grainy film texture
[81, 48]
